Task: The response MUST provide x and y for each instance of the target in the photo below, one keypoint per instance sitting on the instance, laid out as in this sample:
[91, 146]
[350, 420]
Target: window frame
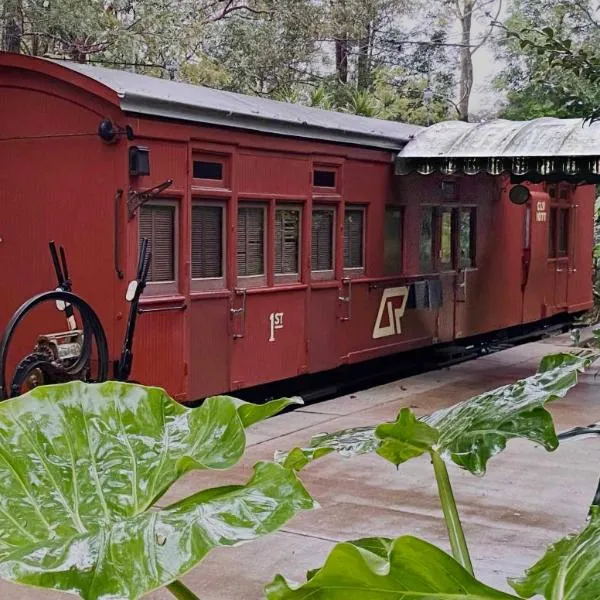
[260, 280]
[279, 278]
[325, 190]
[399, 270]
[164, 288]
[200, 183]
[325, 274]
[210, 283]
[355, 271]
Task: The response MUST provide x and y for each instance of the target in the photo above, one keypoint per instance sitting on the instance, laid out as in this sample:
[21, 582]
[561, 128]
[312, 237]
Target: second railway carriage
[286, 240]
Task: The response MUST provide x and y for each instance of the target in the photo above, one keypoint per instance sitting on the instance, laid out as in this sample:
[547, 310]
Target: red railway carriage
[285, 240]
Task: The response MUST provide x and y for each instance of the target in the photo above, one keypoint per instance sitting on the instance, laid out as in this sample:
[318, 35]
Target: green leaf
[468, 433]
[410, 569]
[406, 438]
[474, 431]
[570, 569]
[82, 464]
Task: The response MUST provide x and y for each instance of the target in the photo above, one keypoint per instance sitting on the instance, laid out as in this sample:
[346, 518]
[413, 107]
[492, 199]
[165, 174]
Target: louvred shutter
[353, 239]
[322, 240]
[287, 235]
[157, 223]
[207, 242]
[250, 243]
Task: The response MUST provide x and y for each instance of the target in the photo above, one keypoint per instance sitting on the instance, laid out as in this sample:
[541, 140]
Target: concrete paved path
[528, 499]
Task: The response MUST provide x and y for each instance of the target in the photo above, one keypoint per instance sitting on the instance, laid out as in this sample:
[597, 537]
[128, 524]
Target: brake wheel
[34, 370]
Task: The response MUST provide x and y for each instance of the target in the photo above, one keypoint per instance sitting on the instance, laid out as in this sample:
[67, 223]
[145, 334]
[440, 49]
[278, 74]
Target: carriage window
[208, 170]
[446, 241]
[467, 238]
[287, 241]
[392, 240]
[323, 178]
[157, 223]
[426, 244]
[552, 228]
[322, 239]
[251, 241]
[207, 241]
[563, 232]
[354, 238]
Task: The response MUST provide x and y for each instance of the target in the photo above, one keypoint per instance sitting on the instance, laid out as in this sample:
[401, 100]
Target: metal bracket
[136, 199]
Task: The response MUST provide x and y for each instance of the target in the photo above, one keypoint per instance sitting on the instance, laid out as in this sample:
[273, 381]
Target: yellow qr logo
[393, 305]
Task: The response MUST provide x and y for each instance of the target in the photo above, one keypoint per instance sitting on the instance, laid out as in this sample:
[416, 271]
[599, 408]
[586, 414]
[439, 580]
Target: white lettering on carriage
[276, 320]
[393, 303]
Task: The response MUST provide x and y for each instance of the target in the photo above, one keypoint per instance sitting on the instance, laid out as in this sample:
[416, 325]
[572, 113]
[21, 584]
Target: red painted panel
[324, 332]
[209, 340]
[369, 333]
[168, 160]
[271, 173]
[582, 242]
[158, 351]
[366, 182]
[267, 352]
[56, 188]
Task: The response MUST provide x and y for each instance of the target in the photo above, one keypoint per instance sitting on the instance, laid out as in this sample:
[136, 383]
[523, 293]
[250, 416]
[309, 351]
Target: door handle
[347, 299]
[241, 312]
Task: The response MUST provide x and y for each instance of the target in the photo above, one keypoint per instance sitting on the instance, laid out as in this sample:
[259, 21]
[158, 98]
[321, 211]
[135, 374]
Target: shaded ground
[528, 499]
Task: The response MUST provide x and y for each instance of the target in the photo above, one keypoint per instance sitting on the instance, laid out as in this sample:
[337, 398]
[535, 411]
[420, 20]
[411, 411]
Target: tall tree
[467, 12]
[544, 76]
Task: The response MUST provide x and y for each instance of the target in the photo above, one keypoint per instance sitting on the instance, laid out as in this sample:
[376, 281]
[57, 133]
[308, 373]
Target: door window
[445, 255]
[322, 243]
[354, 221]
[287, 243]
[426, 243]
[251, 242]
[466, 238]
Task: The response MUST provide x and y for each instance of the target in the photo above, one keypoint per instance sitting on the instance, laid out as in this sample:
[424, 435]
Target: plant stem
[455, 530]
[181, 592]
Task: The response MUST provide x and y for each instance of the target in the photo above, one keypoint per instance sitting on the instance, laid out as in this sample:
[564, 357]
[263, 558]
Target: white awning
[541, 149]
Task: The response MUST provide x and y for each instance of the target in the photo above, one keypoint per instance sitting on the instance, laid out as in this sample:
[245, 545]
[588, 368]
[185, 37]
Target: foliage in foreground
[82, 467]
[467, 434]
[410, 568]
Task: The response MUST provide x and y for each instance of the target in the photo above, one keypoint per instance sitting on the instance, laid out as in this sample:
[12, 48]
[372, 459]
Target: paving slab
[528, 498]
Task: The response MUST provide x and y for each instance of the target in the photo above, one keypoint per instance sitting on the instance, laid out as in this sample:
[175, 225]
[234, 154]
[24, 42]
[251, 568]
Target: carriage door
[466, 311]
[559, 227]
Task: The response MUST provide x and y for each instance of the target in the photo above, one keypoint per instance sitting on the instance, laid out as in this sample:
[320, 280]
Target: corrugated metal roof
[175, 100]
[545, 137]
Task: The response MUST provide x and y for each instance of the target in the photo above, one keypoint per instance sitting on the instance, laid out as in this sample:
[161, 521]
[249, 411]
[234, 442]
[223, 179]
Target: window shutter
[353, 238]
[287, 236]
[157, 223]
[250, 242]
[207, 242]
[322, 240]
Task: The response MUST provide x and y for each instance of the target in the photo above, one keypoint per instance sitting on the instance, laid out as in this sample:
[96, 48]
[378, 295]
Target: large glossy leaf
[570, 569]
[82, 464]
[403, 569]
[468, 433]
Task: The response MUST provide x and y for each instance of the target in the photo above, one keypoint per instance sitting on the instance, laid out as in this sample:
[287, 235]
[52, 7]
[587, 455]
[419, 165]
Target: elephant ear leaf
[472, 432]
[569, 569]
[406, 568]
[81, 465]
[468, 433]
[406, 438]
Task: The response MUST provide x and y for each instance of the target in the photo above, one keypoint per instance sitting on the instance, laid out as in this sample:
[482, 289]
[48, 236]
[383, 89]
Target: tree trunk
[12, 33]
[364, 66]
[341, 59]
[466, 60]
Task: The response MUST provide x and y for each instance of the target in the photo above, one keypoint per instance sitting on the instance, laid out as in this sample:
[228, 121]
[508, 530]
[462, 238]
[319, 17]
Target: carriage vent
[157, 223]
[322, 239]
[207, 242]
[287, 238]
[353, 238]
[250, 240]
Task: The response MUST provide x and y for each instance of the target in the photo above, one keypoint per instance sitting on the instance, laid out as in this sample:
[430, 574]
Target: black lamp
[139, 161]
